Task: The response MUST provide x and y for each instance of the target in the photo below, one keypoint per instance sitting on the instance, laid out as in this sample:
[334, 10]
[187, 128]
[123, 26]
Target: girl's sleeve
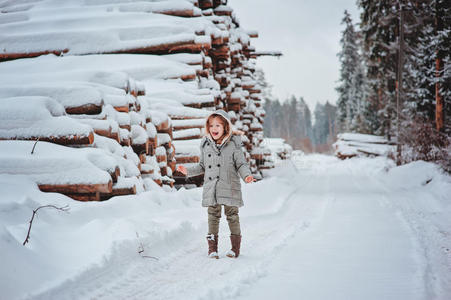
[241, 163]
[197, 169]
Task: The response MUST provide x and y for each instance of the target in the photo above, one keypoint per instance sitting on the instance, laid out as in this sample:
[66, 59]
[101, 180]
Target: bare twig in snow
[141, 249]
[64, 208]
[32, 150]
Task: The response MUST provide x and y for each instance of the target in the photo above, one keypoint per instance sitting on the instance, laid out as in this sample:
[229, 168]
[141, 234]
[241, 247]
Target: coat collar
[217, 147]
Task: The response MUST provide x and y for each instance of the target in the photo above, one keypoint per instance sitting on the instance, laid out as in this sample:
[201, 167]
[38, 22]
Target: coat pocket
[230, 170]
[235, 183]
[236, 193]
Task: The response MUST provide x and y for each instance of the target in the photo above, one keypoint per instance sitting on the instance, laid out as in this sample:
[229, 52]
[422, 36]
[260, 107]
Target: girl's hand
[182, 170]
[250, 179]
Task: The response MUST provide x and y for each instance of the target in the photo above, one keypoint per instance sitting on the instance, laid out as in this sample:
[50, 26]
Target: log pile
[144, 111]
[351, 145]
[127, 127]
[83, 174]
[274, 149]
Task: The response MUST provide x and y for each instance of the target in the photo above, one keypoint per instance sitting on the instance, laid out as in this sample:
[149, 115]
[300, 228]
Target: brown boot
[236, 243]
[212, 240]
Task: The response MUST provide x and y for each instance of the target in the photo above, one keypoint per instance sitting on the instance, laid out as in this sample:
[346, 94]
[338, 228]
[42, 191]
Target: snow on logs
[83, 174]
[278, 148]
[351, 145]
[109, 27]
[43, 118]
[75, 98]
[124, 118]
[146, 112]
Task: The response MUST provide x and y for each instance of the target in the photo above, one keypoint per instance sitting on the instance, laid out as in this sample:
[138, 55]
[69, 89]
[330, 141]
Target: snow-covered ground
[327, 229]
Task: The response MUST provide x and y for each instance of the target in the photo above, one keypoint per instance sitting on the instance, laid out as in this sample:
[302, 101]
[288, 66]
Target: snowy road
[359, 249]
[328, 231]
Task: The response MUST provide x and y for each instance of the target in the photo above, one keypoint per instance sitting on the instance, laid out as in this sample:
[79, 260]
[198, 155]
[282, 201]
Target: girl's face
[216, 128]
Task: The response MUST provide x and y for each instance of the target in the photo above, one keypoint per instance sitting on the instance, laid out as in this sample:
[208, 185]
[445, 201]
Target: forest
[394, 82]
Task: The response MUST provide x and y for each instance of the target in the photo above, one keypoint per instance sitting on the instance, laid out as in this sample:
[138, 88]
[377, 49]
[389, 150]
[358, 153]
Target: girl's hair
[223, 121]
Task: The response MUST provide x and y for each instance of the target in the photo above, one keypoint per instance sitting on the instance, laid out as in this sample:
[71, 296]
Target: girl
[223, 163]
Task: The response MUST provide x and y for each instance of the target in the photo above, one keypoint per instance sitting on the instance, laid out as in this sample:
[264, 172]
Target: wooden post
[438, 97]
[439, 122]
[399, 84]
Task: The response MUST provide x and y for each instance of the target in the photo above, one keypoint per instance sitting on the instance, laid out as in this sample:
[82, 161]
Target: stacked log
[83, 174]
[274, 149]
[351, 145]
[109, 33]
[126, 128]
[145, 111]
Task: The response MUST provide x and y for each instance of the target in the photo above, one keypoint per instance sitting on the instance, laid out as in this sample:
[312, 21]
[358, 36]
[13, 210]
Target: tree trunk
[438, 97]
[439, 122]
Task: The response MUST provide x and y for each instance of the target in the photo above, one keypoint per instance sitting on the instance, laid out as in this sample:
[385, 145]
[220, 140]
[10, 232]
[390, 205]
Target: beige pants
[214, 216]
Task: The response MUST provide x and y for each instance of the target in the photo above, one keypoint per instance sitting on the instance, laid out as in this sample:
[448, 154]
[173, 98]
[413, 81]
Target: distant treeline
[292, 120]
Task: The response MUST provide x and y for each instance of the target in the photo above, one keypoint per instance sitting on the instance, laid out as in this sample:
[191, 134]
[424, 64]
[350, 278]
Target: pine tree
[292, 120]
[306, 118]
[307, 131]
[359, 95]
[366, 118]
[353, 88]
[318, 133]
[379, 25]
[420, 97]
[442, 42]
[268, 101]
[324, 128]
[349, 59]
[268, 120]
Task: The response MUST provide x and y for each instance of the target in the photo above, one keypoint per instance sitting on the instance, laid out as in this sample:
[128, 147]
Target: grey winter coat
[223, 165]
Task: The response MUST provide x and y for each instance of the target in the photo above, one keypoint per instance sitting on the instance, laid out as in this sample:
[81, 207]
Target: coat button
[209, 155]
[219, 154]
[209, 167]
[219, 165]
[217, 177]
[209, 178]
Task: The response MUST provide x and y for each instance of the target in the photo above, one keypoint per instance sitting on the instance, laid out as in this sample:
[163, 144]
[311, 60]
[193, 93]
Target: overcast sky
[308, 33]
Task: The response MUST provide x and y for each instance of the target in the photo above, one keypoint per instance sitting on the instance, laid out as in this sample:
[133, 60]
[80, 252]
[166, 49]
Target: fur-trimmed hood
[225, 116]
